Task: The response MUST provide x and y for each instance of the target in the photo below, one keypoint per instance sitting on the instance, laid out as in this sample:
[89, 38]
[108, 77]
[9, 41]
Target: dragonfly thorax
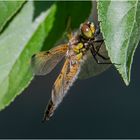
[78, 46]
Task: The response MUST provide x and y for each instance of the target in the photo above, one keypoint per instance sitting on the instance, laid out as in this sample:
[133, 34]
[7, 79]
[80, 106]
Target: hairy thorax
[77, 48]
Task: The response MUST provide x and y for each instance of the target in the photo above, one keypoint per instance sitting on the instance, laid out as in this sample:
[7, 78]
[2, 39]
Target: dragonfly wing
[62, 84]
[90, 67]
[43, 62]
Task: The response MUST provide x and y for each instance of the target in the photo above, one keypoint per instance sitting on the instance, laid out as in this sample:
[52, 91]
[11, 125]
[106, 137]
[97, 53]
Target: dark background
[99, 107]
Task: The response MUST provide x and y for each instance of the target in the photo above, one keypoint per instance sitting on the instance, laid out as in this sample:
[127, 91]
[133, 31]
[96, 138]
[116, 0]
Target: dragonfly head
[87, 30]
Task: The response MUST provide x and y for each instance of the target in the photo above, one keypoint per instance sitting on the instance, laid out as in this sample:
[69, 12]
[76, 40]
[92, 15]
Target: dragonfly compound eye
[87, 30]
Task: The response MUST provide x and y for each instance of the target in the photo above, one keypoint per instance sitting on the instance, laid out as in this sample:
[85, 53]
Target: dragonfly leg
[97, 49]
[103, 57]
[94, 54]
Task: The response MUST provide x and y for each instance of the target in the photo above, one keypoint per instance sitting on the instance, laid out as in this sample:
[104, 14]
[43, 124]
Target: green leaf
[7, 10]
[25, 36]
[120, 25]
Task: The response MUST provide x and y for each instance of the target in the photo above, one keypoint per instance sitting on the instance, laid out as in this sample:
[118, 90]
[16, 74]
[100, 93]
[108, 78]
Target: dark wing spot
[46, 52]
[33, 56]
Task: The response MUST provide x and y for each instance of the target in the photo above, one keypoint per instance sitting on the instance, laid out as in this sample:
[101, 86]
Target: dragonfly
[75, 53]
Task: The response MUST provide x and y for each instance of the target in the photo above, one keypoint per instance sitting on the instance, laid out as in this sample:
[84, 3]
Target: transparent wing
[65, 79]
[43, 62]
[90, 68]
